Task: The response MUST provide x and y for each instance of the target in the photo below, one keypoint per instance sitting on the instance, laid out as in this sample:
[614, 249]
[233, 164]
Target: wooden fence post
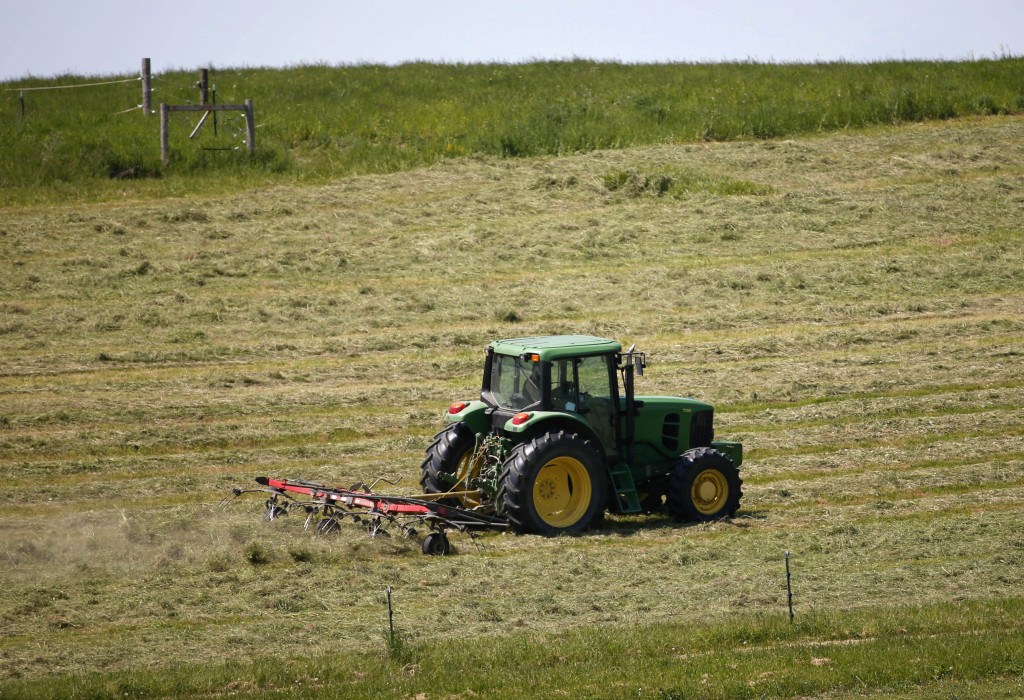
[204, 86]
[250, 126]
[165, 144]
[147, 87]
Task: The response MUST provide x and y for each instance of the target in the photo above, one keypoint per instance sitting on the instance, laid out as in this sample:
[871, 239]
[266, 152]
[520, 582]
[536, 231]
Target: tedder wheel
[553, 484]
[448, 459]
[705, 485]
[327, 525]
[437, 544]
[274, 509]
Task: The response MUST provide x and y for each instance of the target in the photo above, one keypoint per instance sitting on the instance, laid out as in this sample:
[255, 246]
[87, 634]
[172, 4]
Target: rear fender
[472, 415]
[550, 421]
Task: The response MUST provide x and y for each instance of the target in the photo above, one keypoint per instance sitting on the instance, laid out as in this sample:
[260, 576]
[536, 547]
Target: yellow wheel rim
[562, 492]
[710, 491]
[467, 468]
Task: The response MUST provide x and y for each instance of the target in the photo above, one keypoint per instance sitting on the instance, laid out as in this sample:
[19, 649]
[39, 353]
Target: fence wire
[69, 87]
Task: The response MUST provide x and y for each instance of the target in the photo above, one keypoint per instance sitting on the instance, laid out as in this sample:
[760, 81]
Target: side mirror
[638, 359]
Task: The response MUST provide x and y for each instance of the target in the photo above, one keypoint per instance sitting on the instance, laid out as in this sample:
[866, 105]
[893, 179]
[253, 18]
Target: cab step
[626, 497]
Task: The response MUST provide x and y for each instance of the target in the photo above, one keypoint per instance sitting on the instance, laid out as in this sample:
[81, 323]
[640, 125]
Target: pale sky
[45, 38]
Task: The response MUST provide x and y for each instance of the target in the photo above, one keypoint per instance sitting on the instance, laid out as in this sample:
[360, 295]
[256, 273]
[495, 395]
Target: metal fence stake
[789, 589]
[391, 617]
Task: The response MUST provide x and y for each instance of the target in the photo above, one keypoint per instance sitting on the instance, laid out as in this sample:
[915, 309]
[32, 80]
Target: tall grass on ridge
[321, 121]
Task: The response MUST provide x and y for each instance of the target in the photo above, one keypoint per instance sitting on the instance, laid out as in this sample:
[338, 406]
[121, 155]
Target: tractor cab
[528, 381]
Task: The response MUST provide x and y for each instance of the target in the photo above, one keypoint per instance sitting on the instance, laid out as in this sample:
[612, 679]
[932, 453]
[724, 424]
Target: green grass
[966, 650]
[318, 122]
[851, 303]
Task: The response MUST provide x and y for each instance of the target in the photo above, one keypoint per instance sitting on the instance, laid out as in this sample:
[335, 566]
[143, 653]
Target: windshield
[515, 382]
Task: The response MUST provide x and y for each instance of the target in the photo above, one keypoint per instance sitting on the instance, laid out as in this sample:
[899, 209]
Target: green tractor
[558, 438]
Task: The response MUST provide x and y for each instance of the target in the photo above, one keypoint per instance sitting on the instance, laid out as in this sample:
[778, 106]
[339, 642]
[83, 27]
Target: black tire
[450, 447]
[326, 526]
[274, 510]
[436, 544]
[553, 484]
[705, 485]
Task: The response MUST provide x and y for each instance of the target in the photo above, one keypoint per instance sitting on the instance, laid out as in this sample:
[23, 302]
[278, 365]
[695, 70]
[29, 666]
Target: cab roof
[555, 347]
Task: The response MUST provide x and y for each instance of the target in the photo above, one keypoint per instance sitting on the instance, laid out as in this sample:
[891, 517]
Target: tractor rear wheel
[448, 458]
[553, 484]
[705, 485]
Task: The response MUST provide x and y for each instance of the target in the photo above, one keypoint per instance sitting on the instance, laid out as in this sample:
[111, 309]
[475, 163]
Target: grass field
[851, 303]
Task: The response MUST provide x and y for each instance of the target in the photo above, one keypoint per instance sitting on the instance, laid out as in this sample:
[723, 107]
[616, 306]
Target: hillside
[317, 123]
[852, 304]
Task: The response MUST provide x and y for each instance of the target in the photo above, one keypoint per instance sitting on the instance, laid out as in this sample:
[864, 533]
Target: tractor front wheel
[553, 484]
[705, 485]
[448, 459]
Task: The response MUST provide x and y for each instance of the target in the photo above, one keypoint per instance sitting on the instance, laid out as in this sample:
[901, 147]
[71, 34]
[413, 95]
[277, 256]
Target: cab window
[515, 382]
[594, 377]
[575, 381]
